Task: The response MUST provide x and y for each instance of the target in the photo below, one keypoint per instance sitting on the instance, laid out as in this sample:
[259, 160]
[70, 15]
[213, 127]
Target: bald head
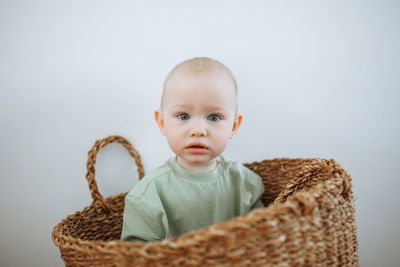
[199, 66]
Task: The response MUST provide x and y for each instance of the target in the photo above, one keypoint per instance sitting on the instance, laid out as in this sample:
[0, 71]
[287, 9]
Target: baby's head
[198, 112]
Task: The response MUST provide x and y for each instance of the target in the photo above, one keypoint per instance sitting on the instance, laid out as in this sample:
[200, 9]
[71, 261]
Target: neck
[197, 167]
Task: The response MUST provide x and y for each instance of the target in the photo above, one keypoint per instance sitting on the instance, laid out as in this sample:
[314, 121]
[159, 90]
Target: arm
[256, 187]
[142, 221]
[259, 204]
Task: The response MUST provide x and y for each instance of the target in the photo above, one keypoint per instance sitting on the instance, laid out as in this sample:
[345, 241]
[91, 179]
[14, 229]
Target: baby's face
[198, 118]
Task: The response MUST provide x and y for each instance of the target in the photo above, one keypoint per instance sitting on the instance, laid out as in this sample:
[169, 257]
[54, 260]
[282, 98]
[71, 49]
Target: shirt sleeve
[259, 204]
[255, 187]
[142, 220]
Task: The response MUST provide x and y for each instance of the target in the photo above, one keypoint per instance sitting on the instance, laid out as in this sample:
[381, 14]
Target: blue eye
[214, 118]
[183, 116]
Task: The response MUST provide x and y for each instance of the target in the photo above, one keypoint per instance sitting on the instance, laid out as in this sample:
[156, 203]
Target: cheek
[174, 136]
[223, 133]
[174, 142]
[223, 140]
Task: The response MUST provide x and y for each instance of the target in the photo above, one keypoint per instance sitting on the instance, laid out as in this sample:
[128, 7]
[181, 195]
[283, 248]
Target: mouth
[197, 148]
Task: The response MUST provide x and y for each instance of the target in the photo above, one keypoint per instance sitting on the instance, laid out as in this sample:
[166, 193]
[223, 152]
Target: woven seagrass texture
[308, 221]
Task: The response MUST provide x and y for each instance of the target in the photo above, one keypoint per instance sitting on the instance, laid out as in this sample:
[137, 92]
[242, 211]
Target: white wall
[316, 79]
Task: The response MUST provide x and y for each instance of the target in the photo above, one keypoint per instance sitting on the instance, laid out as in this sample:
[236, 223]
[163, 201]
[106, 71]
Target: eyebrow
[208, 107]
[183, 106]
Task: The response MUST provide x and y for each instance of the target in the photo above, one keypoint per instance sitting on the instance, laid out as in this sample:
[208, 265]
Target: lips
[197, 145]
[197, 148]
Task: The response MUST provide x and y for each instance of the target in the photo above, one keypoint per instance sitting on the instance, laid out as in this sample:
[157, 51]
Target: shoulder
[238, 170]
[150, 183]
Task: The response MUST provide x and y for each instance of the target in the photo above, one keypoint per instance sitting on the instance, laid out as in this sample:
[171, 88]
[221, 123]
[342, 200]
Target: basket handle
[90, 165]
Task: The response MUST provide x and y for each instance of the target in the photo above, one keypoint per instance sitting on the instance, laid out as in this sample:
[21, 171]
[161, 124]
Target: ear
[160, 121]
[236, 124]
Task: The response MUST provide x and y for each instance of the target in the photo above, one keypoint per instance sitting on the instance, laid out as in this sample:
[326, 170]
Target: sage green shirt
[171, 200]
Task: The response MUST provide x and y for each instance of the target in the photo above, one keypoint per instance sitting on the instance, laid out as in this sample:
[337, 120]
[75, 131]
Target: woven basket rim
[310, 210]
[303, 202]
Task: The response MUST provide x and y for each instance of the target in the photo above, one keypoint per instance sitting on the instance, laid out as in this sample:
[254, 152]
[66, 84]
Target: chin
[197, 158]
[200, 161]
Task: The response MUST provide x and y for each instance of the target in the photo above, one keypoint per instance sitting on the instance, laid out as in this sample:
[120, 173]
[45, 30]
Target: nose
[198, 130]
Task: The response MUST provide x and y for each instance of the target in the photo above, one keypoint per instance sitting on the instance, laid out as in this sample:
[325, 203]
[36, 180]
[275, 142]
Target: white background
[316, 79]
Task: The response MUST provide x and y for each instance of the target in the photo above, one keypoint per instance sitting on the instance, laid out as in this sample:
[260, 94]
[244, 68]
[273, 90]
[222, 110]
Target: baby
[199, 187]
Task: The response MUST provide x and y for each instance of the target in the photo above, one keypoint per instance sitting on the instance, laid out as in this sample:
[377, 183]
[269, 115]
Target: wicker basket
[308, 221]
